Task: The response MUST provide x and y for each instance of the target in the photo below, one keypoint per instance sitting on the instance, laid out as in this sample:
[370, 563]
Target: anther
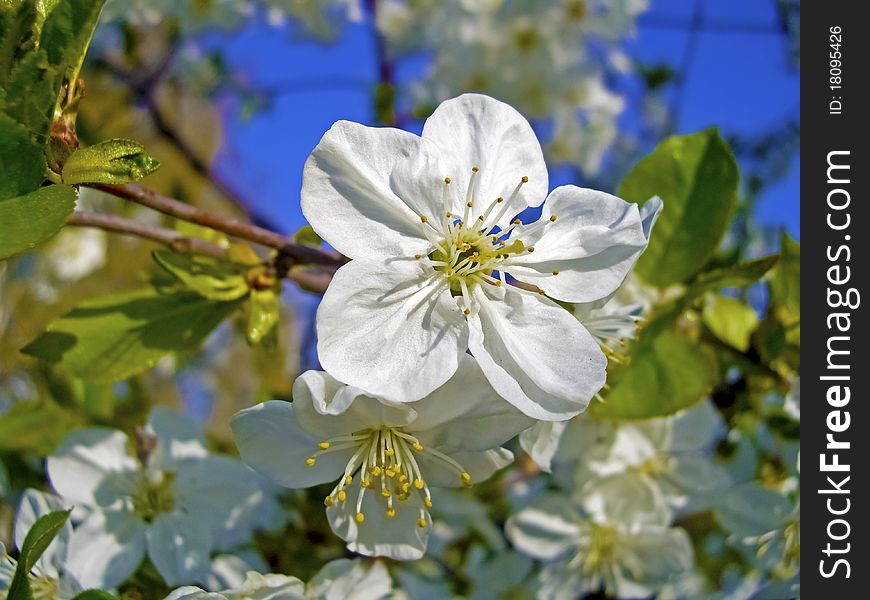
[310, 461]
[424, 218]
[342, 495]
[466, 477]
[499, 199]
[474, 169]
[385, 493]
[359, 518]
[447, 180]
[328, 501]
[375, 470]
[417, 446]
[467, 311]
[552, 218]
[390, 472]
[419, 484]
[555, 271]
[391, 512]
[525, 179]
[348, 480]
[531, 249]
[469, 204]
[427, 501]
[449, 214]
[421, 523]
[323, 445]
[418, 256]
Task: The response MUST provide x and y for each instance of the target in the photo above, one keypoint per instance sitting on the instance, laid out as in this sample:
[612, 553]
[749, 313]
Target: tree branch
[173, 239]
[299, 253]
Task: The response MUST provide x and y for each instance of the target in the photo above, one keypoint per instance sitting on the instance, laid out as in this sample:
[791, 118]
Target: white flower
[340, 579]
[618, 545]
[75, 253]
[668, 455]
[384, 455]
[51, 577]
[427, 222]
[172, 502]
[255, 587]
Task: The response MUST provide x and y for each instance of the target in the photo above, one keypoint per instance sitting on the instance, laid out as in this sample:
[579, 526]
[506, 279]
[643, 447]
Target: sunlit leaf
[307, 236]
[264, 313]
[210, 277]
[785, 282]
[22, 163]
[67, 33]
[731, 320]
[739, 275]
[696, 177]
[35, 427]
[117, 336]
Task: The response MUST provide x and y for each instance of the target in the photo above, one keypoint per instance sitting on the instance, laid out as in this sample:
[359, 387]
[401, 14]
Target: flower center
[384, 463]
[153, 496]
[471, 249]
[598, 556]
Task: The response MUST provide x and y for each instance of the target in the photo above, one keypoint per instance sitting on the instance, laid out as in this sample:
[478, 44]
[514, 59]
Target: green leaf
[95, 595]
[263, 314]
[29, 220]
[22, 163]
[696, 177]
[668, 372]
[308, 237]
[67, 33]
[211, 278]
[730, 320]
[118, 336]
[17, 35]
[785, 282]
[37, 540]
[740, 275]
[35, 427]
[32, 94]
[111, 161]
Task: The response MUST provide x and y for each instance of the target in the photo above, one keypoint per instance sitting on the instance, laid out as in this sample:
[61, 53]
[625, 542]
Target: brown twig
[173, 239]
[313, 279]
[300, 253]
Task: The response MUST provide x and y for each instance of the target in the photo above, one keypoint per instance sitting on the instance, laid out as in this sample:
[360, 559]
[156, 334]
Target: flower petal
[365, 188]
[479, 465]
[191, 592]
[179, 547]
[541, 442]
[178, 437]
[466, 413]
[592, 244]
[345, 579]
[536, 355]
[399, 538]
[87, 463]
[271, 442]
[385, 328]
[106, 548]
[630, 501]
[545, 532]
[474, 130]
[325, 407]
[654, 557]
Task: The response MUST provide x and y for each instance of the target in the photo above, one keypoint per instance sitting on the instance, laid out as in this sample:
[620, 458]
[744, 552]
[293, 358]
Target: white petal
[696, 428]
[177, 436]
[88, 463]
[398, 538]
[654, 557]
[630, 501]
[478, 131]
[593, 243]
[750, 510]
[35, 504]
[536, 355]
[191, 592]
[345, 579]
[545, 532]
[365, 188]
[386, 329]
[480, 465]
[466, 413]
[326, 407]
[106, 548]
[271, 442]
[179, 547]
[541, 442]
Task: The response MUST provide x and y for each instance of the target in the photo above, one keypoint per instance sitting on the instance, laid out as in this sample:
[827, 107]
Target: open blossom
[383, 455]
[51, 578]
[166, 496]
[616, 540]
[428, 222]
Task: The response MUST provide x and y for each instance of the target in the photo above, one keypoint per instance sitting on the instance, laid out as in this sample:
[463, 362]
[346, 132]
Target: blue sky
[740, 81]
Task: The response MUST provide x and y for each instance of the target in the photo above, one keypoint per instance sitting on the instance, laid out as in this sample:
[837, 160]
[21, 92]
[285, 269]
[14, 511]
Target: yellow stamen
[421, 523]
[342, 495]
[310, 461]
[323, 445]
[359, 518]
